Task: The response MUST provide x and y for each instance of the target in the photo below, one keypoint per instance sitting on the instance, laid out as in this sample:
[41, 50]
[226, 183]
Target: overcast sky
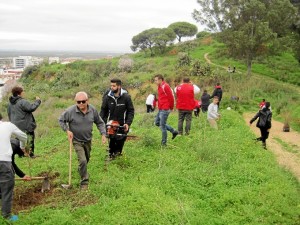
[86, 25]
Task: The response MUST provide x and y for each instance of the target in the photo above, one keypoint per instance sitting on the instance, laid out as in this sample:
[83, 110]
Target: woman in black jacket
[263, 123]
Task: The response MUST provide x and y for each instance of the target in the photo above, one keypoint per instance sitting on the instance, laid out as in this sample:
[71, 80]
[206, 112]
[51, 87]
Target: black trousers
[30, 141]
[116, 145]
[264, 134]
[149, 108]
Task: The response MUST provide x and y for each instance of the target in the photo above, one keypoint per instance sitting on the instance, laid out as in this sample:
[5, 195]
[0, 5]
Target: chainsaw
[114, 129]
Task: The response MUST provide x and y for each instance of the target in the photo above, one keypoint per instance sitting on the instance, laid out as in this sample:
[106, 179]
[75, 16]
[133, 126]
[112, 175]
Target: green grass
[209, 177]
[286, 146]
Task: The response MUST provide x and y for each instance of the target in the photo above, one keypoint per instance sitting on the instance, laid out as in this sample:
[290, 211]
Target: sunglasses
[81, 102]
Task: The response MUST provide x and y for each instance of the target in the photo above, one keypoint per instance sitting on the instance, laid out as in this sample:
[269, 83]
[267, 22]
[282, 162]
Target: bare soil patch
[288, 140]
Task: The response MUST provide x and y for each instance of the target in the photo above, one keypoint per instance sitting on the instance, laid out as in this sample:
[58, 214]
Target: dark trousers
[116, 145]
[149, 108]
[83, 151]
[204, 108]
[7, 183]
[264, 134]
[187, 116]
[30, 142]
[196, 112]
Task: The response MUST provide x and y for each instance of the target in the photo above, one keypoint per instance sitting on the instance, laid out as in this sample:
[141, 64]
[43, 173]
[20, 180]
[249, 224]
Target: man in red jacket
[165, 105]
[185, 104]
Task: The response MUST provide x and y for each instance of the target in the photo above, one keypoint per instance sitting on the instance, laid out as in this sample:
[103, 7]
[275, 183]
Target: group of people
[16, 138]
[117, 113]
[185, 105]
[77, 121]
[113, 123]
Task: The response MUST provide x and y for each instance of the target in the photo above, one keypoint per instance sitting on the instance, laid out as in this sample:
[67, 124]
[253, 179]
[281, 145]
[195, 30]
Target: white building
[24, 61]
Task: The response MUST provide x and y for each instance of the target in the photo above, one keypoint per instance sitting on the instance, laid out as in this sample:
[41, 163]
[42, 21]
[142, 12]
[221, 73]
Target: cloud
[85, 25]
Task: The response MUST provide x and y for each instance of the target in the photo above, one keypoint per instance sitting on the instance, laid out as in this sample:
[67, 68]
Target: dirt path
[285, 145]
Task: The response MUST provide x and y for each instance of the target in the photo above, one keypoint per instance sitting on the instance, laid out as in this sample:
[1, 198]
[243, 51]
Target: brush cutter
[45, 185]
[68, 186]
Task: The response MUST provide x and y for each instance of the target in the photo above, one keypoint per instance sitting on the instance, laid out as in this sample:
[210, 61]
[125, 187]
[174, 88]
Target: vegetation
[183, 29]
[208, 177]
[190, 182]
[249, 28]
[154, 37]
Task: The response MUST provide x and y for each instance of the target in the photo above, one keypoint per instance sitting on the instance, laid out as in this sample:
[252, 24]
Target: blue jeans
[161, 121]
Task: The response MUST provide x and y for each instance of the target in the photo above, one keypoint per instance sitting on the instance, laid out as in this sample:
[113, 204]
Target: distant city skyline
[88, 26]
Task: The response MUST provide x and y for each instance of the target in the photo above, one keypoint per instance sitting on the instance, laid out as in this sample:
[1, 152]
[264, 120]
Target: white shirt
[150, 99]
[212, 112]
[6, 130]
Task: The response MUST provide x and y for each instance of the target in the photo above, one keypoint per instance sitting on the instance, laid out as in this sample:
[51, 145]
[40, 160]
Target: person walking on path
[117, 108]
[20, 113]
[212, 113]
[150, 103]
[264, 123]
[165, 105]
[205, 101]
[185, 104]
[78, 122]
[217, 92]
[7, 176]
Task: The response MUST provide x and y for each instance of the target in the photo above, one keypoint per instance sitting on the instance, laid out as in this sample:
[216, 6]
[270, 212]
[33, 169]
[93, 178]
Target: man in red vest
[185, 104]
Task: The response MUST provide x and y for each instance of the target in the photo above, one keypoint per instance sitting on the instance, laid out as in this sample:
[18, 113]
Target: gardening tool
[68, 186]
[45, 185]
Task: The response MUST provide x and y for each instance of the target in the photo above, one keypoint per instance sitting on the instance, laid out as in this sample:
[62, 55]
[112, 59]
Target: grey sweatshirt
[80, 124]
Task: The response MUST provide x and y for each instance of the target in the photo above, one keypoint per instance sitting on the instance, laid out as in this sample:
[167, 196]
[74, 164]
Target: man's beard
[115, 91]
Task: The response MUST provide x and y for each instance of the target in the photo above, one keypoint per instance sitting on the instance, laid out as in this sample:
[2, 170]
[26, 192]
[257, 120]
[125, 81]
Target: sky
[86, 25]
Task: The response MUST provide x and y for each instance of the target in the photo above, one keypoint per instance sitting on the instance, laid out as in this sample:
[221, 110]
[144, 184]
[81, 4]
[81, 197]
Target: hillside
[208, 177]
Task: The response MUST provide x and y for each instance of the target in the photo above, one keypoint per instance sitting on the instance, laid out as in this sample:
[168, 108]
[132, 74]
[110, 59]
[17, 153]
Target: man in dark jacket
[264, 123]
[205, 101]
[117, 109]
[217, 92]
[20, 113]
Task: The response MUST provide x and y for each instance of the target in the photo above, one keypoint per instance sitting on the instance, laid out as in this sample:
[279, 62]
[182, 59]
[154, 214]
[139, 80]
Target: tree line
[255, 28]
[249, 29]
[159, 38]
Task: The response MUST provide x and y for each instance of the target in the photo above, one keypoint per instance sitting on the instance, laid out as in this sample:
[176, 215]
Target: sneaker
[84, 187]
[174, 134]
[13, 218]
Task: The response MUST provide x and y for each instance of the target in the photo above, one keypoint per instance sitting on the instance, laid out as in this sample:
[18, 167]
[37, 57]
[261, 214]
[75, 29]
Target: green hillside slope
[208, 177]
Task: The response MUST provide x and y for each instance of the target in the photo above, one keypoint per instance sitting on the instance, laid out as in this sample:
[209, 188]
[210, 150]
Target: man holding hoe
[78, 121]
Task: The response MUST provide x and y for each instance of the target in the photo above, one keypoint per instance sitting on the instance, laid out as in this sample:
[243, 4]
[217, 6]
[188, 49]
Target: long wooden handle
[70, 163]
[32, 178]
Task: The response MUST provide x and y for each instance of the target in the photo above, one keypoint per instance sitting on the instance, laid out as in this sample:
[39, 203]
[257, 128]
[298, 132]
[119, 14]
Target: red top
[262, 104]
[185, 97]
[165, 97]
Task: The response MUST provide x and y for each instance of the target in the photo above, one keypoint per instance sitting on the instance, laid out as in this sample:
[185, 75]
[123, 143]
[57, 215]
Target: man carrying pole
[78, 121]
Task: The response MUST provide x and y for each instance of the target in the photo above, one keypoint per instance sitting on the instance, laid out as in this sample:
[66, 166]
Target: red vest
[185, 97]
